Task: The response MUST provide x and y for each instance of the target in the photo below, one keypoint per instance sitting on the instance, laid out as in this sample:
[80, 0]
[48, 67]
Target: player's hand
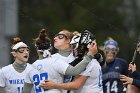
[132, 67]
[92, 48]
[138, 47]
[48, 84]
[126, 80]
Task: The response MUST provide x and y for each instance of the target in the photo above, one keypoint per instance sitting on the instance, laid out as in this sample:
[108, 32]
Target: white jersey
[12, 80]
[52, 68]
[68, 59]
[94, 82]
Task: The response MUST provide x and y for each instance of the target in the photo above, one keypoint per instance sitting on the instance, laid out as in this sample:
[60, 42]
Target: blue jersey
[111, 76]
[136, 80]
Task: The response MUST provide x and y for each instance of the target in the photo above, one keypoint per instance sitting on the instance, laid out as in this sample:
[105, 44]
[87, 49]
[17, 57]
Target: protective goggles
[22, 49]
[107, 49]
[61, 36]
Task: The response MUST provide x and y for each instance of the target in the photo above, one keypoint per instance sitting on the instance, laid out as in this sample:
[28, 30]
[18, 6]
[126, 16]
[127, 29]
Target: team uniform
[52, 68]
[12, 80]
[111, 76]
[136, 79]
[94, 82]
[68, 59]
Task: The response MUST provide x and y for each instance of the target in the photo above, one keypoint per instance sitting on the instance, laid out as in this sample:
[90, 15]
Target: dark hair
[86, 38]
[15, 40]
[42, 42]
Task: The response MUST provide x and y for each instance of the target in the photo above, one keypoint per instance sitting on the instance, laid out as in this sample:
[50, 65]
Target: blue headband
[113, 43]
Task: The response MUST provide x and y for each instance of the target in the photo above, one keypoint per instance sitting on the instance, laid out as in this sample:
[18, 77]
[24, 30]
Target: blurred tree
[115, 18]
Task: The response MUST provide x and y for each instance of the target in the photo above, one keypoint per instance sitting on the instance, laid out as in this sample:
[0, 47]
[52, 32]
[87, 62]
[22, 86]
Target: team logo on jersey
[39, 67]
[117, 67]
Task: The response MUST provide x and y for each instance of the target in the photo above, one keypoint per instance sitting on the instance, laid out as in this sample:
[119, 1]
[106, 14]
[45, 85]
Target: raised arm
[92, 50]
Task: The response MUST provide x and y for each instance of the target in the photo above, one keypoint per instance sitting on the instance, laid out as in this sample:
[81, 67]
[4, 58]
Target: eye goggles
[107, 49]
[61, 36]
[22, 49]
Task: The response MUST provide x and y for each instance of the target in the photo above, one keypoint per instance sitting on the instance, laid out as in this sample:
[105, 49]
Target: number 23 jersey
[47, 69]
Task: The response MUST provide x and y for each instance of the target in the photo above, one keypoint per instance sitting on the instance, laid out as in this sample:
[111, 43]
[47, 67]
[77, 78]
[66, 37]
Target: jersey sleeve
[89, 70]
[136, 75]
[60, 66]
[136, 82]
[28, 77]
[92, 68]
[2, 78]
